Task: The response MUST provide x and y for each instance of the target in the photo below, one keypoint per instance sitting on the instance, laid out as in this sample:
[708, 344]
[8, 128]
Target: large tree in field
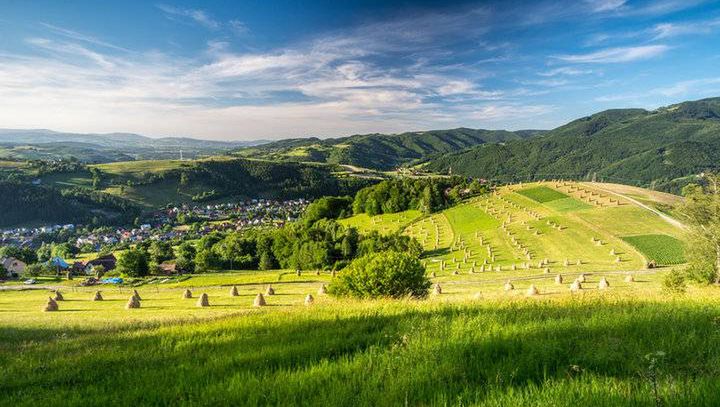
[701, 210]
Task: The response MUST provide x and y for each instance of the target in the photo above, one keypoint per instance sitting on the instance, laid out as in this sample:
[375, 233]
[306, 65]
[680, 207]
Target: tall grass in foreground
[571, 352]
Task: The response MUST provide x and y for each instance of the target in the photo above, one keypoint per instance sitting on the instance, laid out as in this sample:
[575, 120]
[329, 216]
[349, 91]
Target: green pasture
[542, 194]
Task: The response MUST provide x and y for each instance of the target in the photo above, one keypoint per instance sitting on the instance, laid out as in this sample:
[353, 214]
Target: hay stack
[259, 301]
[629, 278]
[98, 296]
[477, 296]
[187, 294]
[137, 295]
[547, 270]
[558, 279]
[433, 275]
[566, 262]
[269, 290]
[437, 290]
[612, 252]
[509, 286]
[581, 278]
[50, 306]
[58, 296]
[203, 301]
[322, 290]
[133, 302]
[575, 286]
[455, 272]
[234, 292]
[532, 290]
[603, 284]
[298, 272]
[309, 300]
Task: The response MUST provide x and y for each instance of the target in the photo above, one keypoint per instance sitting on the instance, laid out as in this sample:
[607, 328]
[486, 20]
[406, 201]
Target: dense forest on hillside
[632, 146]
[382, 151]
[22, 203]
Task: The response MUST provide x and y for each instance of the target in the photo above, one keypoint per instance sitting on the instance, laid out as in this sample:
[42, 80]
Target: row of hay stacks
[134, 301]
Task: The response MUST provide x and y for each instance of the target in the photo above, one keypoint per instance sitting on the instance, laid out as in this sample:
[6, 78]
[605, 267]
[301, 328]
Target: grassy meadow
[475, 343]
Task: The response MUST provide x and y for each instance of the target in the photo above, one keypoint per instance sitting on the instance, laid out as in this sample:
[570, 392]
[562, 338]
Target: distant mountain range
[98, 148]
[659, 148]
[382, 151]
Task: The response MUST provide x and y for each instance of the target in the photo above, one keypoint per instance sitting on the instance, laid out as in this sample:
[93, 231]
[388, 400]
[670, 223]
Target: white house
[12, 266]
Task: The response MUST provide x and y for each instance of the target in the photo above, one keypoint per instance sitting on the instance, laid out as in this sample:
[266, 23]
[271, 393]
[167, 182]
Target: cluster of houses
[222, 217]
[22, 237]
[254, 210]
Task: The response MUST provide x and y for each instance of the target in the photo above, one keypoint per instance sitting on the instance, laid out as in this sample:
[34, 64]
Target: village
[174, 224]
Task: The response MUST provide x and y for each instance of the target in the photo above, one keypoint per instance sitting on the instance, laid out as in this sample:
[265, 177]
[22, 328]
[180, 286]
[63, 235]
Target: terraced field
[542, 230]
[384, 224]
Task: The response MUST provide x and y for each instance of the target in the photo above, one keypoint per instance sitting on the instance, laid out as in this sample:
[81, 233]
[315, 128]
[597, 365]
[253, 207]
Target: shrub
[386, 274]
[674, 282]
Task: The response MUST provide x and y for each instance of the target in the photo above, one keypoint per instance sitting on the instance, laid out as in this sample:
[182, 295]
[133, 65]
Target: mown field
[451, 349]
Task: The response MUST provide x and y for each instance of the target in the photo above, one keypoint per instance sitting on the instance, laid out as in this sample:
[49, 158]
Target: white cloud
[667, 30]
[198, 16]
[616, 55]
[600, 6]
[566, 70]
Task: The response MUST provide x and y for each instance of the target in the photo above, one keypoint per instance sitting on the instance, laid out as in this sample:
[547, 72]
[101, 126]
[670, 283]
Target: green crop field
[663, 249]
[542, 194]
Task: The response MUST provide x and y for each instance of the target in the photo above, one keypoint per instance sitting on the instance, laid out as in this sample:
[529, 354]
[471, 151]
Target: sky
[245, 70]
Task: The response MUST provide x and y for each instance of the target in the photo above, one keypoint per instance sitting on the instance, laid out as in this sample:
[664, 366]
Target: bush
[674, 282]
[386, 274]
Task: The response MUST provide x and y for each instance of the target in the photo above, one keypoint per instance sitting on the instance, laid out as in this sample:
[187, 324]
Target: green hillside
[632, 146]
[381, 151]
[553, 227]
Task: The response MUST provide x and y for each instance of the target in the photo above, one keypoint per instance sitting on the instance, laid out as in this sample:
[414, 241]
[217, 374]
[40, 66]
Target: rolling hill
[382, 151]
[657, 148]
[102, 148]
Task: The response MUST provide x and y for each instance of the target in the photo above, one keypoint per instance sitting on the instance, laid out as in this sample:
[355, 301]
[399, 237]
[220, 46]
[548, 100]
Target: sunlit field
[501, 326]
[473, 344]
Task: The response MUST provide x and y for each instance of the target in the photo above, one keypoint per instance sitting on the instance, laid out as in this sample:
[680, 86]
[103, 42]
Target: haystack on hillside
[269, 290]
[234, 291]
[509, 286]
[203, 301]
[629, 278]
[97, 296]
[133, 302]
[259, 301]
[50, 306]
[559, 279]
[322, 290]
[603, 284]
[187, 294]
[137, 295]
[309, 300]
[58, 296]
[575, 286]
[532, 290]
[437, 290]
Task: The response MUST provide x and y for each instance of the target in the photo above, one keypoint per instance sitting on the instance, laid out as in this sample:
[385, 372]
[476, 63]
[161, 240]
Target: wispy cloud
[616, 55]
[196, 15]
[566, 70]
[667, 30]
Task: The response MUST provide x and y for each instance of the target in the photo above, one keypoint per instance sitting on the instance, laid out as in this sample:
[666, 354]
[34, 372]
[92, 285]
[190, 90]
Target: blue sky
[277, 69]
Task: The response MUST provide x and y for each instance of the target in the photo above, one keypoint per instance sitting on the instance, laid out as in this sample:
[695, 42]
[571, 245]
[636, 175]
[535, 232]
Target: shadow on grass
[371, 359]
